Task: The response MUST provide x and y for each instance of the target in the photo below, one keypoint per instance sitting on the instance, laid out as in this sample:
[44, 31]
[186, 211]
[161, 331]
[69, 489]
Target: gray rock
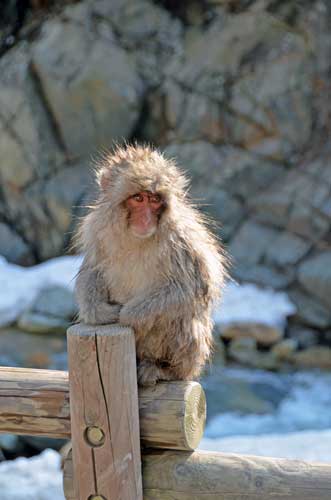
[18, 348]
[91, 86]
[305, 337]
[34, 322]
[264, 335]
[200, 160]
[56, 301]
[272, 111]
[13, 247]
[228, 394]
[149, 32]
[8, 442]
[251, 242]
[309, 310]
[51, 205]
[223, 208]
[315, 276]
[243, 350]
[272, 207]
[314, 357]
[287, 250]
[262, 275]
[304, 221]
[210, 58]
[284, 350]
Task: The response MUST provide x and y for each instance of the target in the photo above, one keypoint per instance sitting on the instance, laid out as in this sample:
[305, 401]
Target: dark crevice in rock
[52, 120]
[196, 12]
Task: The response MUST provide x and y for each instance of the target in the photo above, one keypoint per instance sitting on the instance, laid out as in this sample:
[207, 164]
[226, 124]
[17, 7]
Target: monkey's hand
[169, 301]
[134, 314]
[100, 314]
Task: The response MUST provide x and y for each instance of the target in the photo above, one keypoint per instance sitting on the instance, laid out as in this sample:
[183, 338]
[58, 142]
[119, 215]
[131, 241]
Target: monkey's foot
[148, 373]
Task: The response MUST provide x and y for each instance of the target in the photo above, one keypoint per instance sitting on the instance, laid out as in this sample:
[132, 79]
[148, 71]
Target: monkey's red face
[144, 211]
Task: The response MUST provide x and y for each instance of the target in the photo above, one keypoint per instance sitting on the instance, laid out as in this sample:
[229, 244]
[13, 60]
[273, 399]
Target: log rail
[36, 402]
[199, 475]
[99, 408]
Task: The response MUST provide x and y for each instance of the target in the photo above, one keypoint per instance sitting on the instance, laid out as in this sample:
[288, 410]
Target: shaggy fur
[163, 286]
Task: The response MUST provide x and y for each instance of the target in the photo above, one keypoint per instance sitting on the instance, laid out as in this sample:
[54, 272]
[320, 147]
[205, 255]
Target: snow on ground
[249, 303]
[306, 407]
[37, 478]
[311, 446]
[20, 285]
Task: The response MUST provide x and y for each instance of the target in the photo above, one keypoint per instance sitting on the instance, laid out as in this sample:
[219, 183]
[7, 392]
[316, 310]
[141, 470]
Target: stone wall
[237, 91]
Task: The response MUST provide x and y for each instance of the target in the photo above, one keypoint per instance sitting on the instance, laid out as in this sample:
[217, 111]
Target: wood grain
[180, 408]
[104, 408]
[36, 402]
[177, 475]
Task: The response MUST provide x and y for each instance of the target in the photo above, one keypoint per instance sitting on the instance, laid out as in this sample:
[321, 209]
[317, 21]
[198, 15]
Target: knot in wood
[95, 437]
[96, 497]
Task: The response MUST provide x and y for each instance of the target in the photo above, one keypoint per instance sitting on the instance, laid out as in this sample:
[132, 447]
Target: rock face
[238, 92]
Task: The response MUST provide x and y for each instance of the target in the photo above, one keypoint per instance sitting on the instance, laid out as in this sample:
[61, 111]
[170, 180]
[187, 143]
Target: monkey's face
[144, 212]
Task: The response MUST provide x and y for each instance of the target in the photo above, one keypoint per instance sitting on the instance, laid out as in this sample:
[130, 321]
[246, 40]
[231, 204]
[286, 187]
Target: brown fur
[163, 286]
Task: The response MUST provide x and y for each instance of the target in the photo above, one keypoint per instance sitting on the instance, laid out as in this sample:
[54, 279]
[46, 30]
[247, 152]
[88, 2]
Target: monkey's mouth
[143, 234]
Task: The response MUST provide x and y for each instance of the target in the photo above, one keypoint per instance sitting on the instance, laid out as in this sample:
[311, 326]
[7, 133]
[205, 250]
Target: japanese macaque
[150, 263]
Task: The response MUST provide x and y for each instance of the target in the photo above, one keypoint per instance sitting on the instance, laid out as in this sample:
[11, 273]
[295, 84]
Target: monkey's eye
[155, 198]
[138, 197]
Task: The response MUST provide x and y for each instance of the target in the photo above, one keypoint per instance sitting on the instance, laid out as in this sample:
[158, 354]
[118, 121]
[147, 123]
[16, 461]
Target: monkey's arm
[92, 298]
[182, 294]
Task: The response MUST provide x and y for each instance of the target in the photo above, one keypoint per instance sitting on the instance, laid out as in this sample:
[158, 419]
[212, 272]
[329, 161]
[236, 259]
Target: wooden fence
[112, 425]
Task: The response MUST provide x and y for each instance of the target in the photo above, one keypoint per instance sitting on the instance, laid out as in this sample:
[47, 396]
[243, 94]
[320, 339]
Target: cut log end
[194, 415]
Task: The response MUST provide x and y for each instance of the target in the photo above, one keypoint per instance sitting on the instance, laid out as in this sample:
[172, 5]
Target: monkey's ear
[104, 176]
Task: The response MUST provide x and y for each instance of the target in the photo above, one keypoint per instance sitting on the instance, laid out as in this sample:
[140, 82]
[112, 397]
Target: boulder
[13, 247]
[90, 84]
[314, 357]
[284, 349]
[263, 334]
[303, 336]
[309, 310]
[287, 250]
[149, 32]
[18, 348]
[243, 350]
[33, 322]
[315, 276]
[251, 242]
[56, 301]
[263, 275]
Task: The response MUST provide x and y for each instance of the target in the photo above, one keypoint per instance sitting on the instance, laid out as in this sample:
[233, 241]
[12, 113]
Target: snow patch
[311, 446]
[250, 304]
[307, 406]
[19, 286]
[37, 478]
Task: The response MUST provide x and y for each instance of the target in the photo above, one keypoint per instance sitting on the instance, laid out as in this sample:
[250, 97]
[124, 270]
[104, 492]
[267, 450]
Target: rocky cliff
[238, 91]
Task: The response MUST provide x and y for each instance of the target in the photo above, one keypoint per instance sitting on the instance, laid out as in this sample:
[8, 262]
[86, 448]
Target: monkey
[151, 263]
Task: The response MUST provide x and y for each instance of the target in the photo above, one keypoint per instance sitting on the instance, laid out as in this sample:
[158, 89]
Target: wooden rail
[36, 402]
[176, 475]
[98, 406]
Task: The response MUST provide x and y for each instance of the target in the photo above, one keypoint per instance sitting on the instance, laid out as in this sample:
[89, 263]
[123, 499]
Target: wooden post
[104, 413]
